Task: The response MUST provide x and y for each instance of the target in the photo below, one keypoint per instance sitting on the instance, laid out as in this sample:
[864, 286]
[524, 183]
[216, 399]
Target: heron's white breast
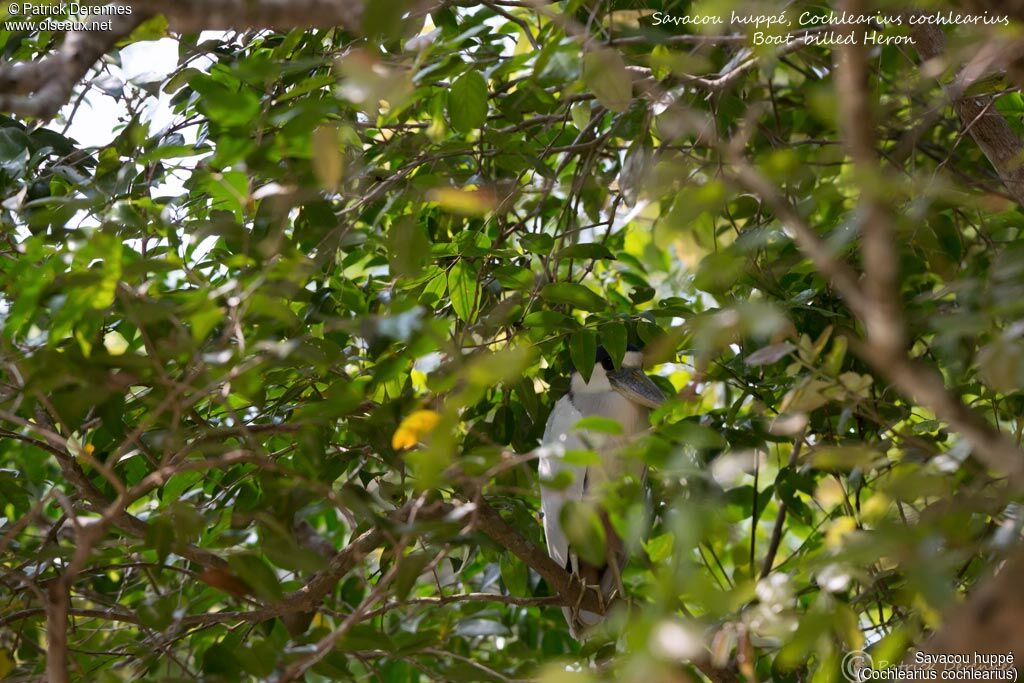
[608, 404]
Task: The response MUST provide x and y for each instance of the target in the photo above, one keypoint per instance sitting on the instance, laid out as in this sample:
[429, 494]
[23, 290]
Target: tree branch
[86, 490]
[191, 16]
[567, 585]
[39, 89]
[562, 582]
[883, 318]
[780, 517]
[914, 379]
[57, 631]
[990, 130]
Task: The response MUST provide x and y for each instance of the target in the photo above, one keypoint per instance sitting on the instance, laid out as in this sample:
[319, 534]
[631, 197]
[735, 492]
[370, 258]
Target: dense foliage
[297, 339]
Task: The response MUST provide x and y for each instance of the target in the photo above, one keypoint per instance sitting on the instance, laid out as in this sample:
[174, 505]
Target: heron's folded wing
[558, 438]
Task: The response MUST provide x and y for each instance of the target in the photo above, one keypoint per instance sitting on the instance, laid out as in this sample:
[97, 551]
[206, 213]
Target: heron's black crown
[606, 360]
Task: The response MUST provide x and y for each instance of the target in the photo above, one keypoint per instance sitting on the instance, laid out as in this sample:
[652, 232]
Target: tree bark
[57, 631]
[979, 117]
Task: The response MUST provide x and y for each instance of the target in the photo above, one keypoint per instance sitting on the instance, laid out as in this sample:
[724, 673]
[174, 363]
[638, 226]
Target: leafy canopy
[291, 342]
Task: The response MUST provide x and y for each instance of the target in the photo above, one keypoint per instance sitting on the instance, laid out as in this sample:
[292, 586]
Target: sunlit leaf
[467, 102]
[464, 202]
[413, 428]
[462, 288]
[583, 350]
[574, 295]
[605, 74]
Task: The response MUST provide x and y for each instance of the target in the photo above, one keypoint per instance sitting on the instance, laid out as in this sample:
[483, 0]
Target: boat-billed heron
[624, 395]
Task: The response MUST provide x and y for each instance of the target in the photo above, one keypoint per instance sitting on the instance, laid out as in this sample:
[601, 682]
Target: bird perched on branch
[625, 395]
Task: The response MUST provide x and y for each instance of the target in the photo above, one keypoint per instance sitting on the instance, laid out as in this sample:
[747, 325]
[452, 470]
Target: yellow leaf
[464, 202]
[838, 530]
[876, 508]
[829, 493]
[6, 665]
[413, 428]
[327, 159]
[559, 673]
[115, 343]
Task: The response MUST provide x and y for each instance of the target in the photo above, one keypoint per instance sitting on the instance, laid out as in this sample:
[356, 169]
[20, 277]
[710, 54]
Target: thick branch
[825, 261]
[39, 89]
[987, 126]
[915, 380]
[57, 603]
[562, 582]
[323, 582]
[925, 385]
[565, 584]
[190, 16]
[883, 318]
[877, 302]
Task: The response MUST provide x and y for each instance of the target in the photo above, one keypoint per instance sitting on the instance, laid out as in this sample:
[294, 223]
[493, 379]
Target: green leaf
[259, 659]
[411, 567]
[579, 458]
[514, 574]
[383, 19]
[514, 277]
[285, 552]
[160, 537]
[844, 457]
[834, 360]
[226, 106]
[327, 160]
[156, 614]
[580, 113]
[615, 340]
[434, 290]
[695, 435]
[204, 319]
[583, 351]
[15, 147]
[659, 548]
[582, 524]
[364, 637]
[171, 152]
[257, 574]
[549, 320]
[597, 423]
[151, 29]
[606, 76]
[574, 295]
[537, 244]
[462, 289]
[564, 479]
[408, 247]
[188, 523]
[467, 102]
